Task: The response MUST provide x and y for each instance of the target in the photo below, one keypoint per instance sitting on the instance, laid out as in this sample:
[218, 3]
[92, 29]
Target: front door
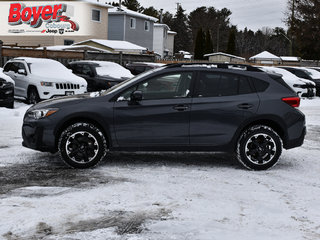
[161, 118]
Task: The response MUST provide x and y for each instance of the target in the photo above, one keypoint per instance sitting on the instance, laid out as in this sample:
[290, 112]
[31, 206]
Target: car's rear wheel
[33, 96]
[82, 145]
[259, 148]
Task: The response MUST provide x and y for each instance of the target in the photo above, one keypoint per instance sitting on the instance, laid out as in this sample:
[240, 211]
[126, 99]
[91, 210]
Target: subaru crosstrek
[180, 107]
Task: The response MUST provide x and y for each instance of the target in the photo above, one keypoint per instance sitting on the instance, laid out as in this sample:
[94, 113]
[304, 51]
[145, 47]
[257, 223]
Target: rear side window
[260, 85]
[221, 84]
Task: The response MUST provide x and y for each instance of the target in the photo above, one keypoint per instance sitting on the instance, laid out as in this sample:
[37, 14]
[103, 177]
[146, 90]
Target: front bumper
[38, 136]
[6, 96]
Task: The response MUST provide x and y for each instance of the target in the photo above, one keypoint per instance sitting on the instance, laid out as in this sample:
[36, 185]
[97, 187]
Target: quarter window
[176, 85]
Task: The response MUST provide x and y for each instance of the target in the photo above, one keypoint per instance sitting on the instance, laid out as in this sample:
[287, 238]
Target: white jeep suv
[37, 79]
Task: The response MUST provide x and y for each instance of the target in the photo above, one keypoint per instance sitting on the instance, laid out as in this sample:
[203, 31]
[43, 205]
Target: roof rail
[245, 67]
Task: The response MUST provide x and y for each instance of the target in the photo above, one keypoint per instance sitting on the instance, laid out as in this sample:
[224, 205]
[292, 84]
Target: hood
[73, 79]
[60, 101]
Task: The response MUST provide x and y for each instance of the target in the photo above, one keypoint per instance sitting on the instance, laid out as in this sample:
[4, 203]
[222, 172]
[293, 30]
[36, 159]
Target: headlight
[42, 113]
[4, 83]
[46, 84]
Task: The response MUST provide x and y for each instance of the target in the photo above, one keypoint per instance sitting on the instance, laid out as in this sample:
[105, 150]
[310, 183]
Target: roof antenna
[161, 15]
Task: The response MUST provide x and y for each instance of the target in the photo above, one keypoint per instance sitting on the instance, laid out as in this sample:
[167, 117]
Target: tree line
[207, 30]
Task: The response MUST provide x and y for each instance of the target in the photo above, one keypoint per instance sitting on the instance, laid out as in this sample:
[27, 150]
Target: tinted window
[8, 67]
[176, 85]
[260, 85]
[221, 84]
[302, 74]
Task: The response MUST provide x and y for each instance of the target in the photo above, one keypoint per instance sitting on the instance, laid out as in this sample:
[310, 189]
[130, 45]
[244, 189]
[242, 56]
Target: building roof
[98, 3]
[162, 25]
[224, 54]
[115, 45]
[73, 48]
[265, 56]
[124, 11]
[172, 32]
[290, 59]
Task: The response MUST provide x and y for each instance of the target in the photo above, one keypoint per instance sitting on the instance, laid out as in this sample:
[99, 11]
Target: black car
[6, 91]
[180, 107]
[303, 73]
[100, 75]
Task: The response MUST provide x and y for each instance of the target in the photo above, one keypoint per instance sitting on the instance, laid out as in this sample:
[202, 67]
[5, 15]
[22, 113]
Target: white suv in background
[37, 79]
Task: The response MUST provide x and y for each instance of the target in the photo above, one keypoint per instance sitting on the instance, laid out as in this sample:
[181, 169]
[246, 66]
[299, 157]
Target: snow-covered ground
[158, 196]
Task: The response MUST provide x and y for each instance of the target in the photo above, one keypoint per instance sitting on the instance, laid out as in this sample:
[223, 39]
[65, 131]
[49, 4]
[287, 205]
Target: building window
[96, 15]
[132, 23]
[68, 42]
[146, 25]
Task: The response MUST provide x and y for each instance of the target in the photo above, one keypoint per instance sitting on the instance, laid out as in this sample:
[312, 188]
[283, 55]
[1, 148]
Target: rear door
[222, 101]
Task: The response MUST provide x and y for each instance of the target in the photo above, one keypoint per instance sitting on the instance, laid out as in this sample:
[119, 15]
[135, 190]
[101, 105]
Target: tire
[11, 105]
[259, 148]
[82, 145]
[33, 96]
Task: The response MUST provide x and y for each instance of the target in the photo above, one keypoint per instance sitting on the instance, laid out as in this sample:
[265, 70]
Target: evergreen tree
[209, 44]
[151, 11]
[179, 25]
[133, 5]
[199, 48]
[232, 42]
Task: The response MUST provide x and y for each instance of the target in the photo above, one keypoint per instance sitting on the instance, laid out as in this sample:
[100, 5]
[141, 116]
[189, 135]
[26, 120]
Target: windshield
[129, 81]
[113, 70]
[313, 73]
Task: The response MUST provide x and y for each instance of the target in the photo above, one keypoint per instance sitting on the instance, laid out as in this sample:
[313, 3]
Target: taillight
[292, 101]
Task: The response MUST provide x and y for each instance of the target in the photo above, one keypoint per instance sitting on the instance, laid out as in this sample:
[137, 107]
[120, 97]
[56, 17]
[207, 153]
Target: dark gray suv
[181, 107]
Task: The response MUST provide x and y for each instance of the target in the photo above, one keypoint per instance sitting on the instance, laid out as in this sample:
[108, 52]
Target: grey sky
[253, 14]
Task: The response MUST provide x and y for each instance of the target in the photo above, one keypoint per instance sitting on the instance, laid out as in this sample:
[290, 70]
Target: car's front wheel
[82, 145]
[259, 148]
[33, 96]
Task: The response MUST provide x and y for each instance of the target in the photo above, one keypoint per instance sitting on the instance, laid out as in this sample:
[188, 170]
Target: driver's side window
[174, 85]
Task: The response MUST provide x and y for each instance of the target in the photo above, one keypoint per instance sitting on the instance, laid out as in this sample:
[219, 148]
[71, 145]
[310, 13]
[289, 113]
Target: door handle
[181, 108]
[245, 106]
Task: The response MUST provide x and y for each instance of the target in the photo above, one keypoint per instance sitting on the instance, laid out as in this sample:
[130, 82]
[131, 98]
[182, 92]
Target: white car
[37, 79]
[302, 87]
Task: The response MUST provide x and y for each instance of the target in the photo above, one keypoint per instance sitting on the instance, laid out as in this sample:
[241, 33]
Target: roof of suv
[231, 66]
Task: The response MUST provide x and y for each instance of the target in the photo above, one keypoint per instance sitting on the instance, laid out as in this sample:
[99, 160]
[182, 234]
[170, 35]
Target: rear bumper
[297, 142]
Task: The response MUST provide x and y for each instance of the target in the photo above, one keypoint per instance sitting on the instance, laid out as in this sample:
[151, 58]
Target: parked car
[100, 75]
[306, 73]
[304, 88]
[180, 107]
[6, 90]
[37, 79]
[140, 67]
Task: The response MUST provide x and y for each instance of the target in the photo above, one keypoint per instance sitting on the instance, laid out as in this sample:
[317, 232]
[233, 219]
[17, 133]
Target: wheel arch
[271, 121]
[76, 119]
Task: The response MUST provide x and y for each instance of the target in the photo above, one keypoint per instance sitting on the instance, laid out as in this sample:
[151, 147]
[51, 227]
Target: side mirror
[136, 96]
[22, 71]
